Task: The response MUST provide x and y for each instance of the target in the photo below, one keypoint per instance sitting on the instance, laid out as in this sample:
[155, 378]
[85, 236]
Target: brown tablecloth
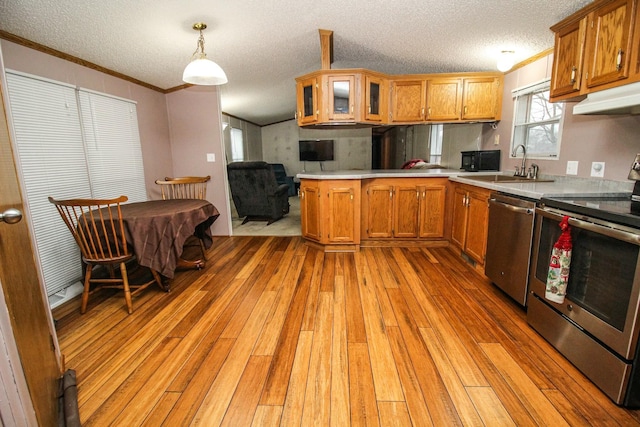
[157, 230]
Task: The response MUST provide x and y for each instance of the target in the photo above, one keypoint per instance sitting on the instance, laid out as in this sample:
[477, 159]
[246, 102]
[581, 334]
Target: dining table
[158, 229]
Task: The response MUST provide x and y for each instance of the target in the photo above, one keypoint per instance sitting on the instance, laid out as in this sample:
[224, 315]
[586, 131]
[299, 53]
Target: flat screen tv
[316, 150]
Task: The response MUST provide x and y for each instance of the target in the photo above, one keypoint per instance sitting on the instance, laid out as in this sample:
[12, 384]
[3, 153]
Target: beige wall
[614, 140]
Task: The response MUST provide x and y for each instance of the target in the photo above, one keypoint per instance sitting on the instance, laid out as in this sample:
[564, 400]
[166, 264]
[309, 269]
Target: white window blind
[71, 144]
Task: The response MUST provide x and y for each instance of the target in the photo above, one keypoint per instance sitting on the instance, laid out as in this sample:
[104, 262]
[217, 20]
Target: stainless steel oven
[597, 325]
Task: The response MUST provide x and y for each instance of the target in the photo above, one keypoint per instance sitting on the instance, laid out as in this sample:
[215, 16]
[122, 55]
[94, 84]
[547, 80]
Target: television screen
[317, 150]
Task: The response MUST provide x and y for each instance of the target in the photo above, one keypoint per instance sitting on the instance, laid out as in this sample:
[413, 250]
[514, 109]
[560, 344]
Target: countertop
[562, 186]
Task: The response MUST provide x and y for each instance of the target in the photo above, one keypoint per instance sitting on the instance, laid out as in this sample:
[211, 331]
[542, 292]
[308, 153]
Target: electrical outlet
[211, 157]
[572, 167]
[597, 169]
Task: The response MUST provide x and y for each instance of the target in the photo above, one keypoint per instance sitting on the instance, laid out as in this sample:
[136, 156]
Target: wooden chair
[185, 187]
[98, 229]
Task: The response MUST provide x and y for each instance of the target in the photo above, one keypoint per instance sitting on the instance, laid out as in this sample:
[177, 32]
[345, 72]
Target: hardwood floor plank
[317, 408]
[364, 408]
[267, 416]
[386, 275]
[340, 411]
[244, 403]
[314, 290]
[356, 331]
[276, 387]
[294, 403]
[394, 414]
[328, 272]
[568, 411]
[161, 409]
[416, 405]
[534, 400]
[284, 259]
[465, 408]
[219, 395]
[385, 376]
[489, 407]
[373, 276]
[194, 393]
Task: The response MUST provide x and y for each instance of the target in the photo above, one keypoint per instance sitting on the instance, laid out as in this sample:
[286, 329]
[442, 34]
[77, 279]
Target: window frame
[522, 128]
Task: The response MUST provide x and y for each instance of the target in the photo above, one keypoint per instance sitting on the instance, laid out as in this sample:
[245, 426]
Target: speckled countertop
[561, 186]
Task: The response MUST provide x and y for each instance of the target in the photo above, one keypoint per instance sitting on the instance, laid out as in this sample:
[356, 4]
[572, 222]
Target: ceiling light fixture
[505, 60]
[203, 71]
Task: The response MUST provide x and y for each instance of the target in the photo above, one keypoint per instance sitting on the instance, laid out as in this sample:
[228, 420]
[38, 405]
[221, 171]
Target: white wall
[352, 147]
[457, 138]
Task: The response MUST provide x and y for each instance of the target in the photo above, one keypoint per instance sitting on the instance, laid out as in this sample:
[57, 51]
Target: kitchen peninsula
[342, 210]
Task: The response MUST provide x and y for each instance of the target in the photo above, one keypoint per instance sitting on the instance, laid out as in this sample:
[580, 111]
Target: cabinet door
[307, 100]
[459, 225]
[405, 211]
[408, 100]
[341, 215]
[480, 98]
[444, 99]
[477, 225]
[379, 211]
[374, 98]
[609, 44]
[310, 211]
[341, 98]
[432, 203]
[568, 53]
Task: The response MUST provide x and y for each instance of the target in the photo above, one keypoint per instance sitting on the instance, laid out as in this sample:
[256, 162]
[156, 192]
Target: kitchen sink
[505, 178]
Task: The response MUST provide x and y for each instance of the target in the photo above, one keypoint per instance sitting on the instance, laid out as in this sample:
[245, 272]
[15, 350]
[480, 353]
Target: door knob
[11, 216]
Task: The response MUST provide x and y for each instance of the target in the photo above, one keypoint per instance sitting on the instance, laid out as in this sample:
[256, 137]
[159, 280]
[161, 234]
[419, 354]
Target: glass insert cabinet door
[373, 87]
[341, 97]
[308, 111]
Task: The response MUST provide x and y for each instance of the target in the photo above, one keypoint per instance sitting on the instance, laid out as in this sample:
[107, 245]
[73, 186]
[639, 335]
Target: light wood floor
[274, 332]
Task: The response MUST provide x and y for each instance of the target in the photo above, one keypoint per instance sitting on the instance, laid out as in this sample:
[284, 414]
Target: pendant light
[505, 60]
[203, 71]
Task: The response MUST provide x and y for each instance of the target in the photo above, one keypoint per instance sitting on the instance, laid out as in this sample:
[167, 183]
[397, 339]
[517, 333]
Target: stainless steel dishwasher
[509, 244]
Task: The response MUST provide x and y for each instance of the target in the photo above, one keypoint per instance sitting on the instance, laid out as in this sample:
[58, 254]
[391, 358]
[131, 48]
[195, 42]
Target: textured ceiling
[264, 45]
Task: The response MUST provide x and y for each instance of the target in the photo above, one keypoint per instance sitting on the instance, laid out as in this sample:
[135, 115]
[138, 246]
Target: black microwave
[481, 160]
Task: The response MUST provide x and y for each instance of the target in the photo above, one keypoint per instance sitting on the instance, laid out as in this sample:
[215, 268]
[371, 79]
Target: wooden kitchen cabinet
[408, 99]
[330, 211]
[375, 102]
[340, 100]
[444, 99]
[307, 91]
[482, 98]
[404, 208]
[470, 220]
[595, 49]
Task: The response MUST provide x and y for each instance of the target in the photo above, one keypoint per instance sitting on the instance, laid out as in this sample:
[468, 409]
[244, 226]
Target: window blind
[71, 143]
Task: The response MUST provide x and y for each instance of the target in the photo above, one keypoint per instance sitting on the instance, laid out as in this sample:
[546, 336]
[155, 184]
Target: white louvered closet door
[52, 161]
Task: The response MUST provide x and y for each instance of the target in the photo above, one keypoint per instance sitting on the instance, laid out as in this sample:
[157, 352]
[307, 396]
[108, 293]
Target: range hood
[618, 100]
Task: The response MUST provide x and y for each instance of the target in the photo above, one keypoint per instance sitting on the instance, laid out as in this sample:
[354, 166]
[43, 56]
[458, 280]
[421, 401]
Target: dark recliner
[256, 193]
[283, 178]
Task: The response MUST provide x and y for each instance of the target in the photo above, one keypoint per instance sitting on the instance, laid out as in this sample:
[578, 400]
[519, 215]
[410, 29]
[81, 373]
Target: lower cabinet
[470, 220]
[403, 208]
[330, 211]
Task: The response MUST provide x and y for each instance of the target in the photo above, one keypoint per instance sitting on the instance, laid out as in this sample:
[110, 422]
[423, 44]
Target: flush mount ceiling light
[203, 71]
[505, 60]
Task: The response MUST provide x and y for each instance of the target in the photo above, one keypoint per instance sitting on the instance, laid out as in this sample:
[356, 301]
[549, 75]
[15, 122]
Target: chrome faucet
[523, 171]
[535, 168]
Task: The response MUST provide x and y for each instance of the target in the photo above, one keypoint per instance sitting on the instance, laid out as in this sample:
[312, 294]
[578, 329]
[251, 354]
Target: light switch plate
[597, 169]
[496, 139]
[572, 167]
[211, 157]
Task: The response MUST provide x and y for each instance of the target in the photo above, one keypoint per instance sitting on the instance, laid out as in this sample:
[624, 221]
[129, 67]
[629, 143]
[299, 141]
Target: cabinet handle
[619, 60]
[369, 109]
[422, 112]
[465, 109]
[429, 112]
[573, 74]
[417, 195]
[302, 194]
[390, 194]
[351, 108]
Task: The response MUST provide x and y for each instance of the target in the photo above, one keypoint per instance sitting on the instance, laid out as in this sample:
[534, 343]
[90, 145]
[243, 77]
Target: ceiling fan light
[203, 71]
[505, 60]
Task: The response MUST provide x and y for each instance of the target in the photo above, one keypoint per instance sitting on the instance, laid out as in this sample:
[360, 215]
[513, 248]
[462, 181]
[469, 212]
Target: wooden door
[310, 210]
[477, 225]
[408, 100]
[405, 211]
[480, 98]
[307, 100]
[379, 211]
[568, 58]
[25, 298]
[341, 98]
[432, 203]
[375, 99]
[609, 44]
[444, 99]
[459, 224]
[341, 215]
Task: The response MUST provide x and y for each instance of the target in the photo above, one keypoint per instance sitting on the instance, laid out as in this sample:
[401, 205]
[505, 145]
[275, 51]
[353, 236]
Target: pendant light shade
[203, 71]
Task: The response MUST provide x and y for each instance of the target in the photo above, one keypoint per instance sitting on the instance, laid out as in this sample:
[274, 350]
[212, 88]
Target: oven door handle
[614, 233]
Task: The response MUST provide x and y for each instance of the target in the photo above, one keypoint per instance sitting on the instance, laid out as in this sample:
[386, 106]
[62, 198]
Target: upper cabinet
[366, 97]
[596, 48]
